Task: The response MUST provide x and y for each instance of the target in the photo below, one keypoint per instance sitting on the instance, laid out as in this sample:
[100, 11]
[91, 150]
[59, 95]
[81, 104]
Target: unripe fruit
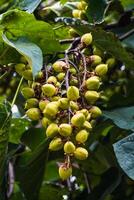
[78, 120]
[74, 106]
[58, 84]
[52, 79]
[23, 60]
[72, 70]
[73, 93]
[27, 92]
[59, 66]
[28, 75]
[86, 39]
[45, 122]
[76, 13]
[84, 112]
[65, 130]
[95, 112]
[82, 136]
[95, 60]
[52, 130]
[49, 90]
[31, 103]
[88, 117]
[82, 5]
[65, 172]
[93, 83]
[63, 103]
[51, 109]
[72, 32]
[42, 104]
[33, 113]
[61, 76]
[39, 75]
[74, 81]
[91, 96]
[97, 51]
[55, 98]
[87, 125]
[69, 147]
[111, 62]
[20, 68]
[101, 69]
[81, 153]
[56, 144]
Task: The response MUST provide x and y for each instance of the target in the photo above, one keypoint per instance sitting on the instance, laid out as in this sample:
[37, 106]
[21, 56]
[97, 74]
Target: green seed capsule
[87, 125]
[28, 75]
[101, 69]
[78, 120]
[91, 96]
[93, 83]
[73, 93]
[27, 92]
[82, 136]
[59, 66]
[52, 80]
[87, 39]
[45, 122]
[82, 5]
[20, 68]
[65, 130]
[63, 103]
[69, 147]
[33, 113]
[61, 76]
[74, 106]
[84, 112]
[95, 112]
[56, 144]
[95, 60]
[51, 109]
[43, 103]
[81, 153]
[65, 172]
[52, 130]
[31, 103]
[49, 90]
[111, 62]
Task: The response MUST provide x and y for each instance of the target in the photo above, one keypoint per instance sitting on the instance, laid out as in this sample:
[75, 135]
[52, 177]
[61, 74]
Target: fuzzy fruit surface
[65, 130]
[52, 130]
[51, 109]
[82, 136]
[31, 103]
[78, 120]
[69, 147]
[87, 125]
[33, 113]
[81, 153]
[93, 83]
[56, 144]
[65, 172]
[74, 106]
[49, 90]
[59, 66]
[73, 93]
[63, 103]
[27, 92]
[101, 69]
[87, 39]
[95, 112]
[91, 96]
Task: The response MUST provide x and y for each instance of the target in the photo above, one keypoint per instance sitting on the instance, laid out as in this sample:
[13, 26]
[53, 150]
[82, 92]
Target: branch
[124, 36]
[11, 179]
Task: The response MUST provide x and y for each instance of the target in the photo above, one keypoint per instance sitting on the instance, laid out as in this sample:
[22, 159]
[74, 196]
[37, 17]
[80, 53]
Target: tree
[66, 100]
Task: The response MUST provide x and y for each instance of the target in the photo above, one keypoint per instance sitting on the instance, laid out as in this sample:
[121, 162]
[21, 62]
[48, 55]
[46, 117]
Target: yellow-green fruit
[84, 112]
[39, 75]
[88, 117]
[56, 144]
[87, 39]
[20, 68]
[93, 83]
[74, 106]
[95, 112]
[91, 96]
[76, 13]
[27, 92]
[82, 136]
[51, 109]
[59, 66]
[52, 130]
[33, 113]
[78, 119]
[65, 130]
[52, 79]
[95, 60]
[82, 5]
[43, 103]
[58, 84]
[101, 69]
[97, 51]
[45, 122]
[69, 147]
[31, 103]
[49, 90]
[61, 76]
[81, 153]
[63, 103]
[111, 62]
[73, 93]
[23, 60]
[55, 98]
[13, 82]
[87, 125]
[28, 75]
[8, 92]
[65, 172]
[72, 32]
[72, 70]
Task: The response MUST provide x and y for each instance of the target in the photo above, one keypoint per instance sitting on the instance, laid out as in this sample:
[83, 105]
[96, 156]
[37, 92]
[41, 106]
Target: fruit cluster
[63, 97]
[80, 10]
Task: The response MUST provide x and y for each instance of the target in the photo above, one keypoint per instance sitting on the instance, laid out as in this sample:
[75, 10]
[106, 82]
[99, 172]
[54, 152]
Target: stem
[11, 179]
[17, 91]
[124, 36]
[85, 68]
[3, 75]
[66, 41]
[87, 182]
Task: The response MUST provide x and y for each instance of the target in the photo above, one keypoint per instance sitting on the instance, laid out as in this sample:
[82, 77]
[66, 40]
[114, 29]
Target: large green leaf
[28, 5]
[124, 150]
[29, 50]
[122, 117]
[5, 117]
[95, 10]
[29, 172]
[21, 24]
[128, 5]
